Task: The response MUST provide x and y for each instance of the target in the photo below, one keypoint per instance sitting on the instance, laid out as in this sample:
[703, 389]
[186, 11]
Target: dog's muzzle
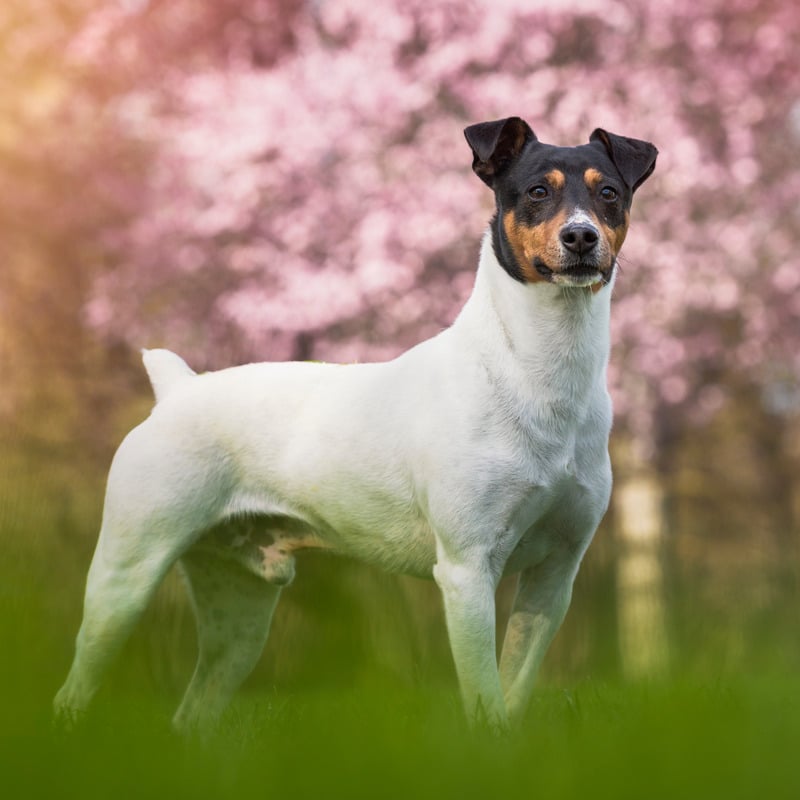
[582, 258]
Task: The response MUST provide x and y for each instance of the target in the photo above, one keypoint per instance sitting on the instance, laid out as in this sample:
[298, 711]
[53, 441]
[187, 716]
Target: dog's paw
[66, 719]
[494, 722]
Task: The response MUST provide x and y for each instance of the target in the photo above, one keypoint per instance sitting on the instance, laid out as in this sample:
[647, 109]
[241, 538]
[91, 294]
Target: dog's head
[562, 212]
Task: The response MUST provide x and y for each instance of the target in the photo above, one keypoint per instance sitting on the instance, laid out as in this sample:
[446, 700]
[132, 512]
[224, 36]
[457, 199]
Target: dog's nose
[579, 238]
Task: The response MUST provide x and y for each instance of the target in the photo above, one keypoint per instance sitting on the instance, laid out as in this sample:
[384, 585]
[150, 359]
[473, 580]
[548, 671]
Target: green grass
[376, 736]
[338, 723]
[666, 740]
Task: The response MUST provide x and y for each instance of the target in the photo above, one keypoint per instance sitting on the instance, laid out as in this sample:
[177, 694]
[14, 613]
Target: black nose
[579, 238]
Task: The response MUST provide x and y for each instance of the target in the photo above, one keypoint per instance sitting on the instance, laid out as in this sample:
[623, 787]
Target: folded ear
[496, 145]
[634, 158]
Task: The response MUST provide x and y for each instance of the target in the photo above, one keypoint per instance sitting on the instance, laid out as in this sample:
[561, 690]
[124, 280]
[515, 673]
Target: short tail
[165, 370]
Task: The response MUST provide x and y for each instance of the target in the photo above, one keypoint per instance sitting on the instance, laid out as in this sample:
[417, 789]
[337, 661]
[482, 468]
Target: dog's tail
[165, 370]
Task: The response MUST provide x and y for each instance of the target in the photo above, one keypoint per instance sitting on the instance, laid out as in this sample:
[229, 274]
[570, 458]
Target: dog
[478, 453]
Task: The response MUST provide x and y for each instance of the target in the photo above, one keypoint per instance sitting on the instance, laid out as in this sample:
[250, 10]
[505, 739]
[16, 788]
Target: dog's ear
[495, 145]
[634, 158]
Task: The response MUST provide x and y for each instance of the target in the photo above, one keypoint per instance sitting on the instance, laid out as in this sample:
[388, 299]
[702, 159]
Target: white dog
[481, 452]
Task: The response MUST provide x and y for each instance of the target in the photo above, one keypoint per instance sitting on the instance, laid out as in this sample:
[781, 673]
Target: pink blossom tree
[276, 179]
[310, 196]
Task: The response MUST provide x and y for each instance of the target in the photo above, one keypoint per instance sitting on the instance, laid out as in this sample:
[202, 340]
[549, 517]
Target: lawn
[736, 738]
[334, 731]
[733, 741]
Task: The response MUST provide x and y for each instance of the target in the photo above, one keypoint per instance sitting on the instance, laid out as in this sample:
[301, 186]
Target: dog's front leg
[543, 597]
[468, 589]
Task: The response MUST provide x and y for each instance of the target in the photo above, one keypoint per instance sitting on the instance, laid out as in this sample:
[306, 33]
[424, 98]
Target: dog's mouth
[578, 273]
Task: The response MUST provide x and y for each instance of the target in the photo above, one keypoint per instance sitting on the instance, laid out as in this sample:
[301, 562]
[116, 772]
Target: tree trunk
[643, 645]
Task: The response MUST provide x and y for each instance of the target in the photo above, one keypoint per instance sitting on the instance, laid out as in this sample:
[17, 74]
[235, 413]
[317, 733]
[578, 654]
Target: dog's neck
[543, 339]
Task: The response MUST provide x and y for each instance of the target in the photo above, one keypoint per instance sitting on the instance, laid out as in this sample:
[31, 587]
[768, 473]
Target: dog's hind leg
[233, 608]
[117, 592]
[159, 497]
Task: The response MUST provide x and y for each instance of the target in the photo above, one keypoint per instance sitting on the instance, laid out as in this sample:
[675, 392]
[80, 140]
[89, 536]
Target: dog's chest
[564, 499]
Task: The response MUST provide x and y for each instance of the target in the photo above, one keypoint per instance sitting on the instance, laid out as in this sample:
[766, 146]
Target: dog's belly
[381, 533]
[266, 545]
[394, 537]
[411, 552]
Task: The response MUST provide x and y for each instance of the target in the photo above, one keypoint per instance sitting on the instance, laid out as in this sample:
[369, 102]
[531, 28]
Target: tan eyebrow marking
[555, 178]
[592, 177]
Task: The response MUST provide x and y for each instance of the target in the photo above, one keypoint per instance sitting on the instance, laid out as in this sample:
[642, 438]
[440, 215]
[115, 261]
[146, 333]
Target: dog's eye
[539, 193]
[608, 194]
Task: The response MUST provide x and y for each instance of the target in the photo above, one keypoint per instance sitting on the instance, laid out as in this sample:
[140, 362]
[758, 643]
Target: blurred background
[287, 179]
